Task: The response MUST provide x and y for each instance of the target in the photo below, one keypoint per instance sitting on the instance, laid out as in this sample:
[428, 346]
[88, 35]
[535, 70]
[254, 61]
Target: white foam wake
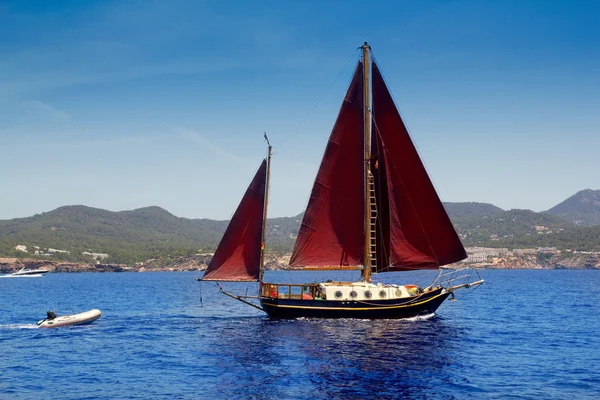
[420, 317]
[19, 326]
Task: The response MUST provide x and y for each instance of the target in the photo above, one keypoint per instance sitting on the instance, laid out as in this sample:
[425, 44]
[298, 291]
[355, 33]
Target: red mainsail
[332, 230]
[237, 257]
[420, 232]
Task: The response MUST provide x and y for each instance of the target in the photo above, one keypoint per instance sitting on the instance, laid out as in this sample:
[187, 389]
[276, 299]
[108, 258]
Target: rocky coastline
[200, 263]
[197, 263]
[535, 262]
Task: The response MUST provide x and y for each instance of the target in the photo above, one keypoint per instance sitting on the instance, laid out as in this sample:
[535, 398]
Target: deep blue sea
[525, 334]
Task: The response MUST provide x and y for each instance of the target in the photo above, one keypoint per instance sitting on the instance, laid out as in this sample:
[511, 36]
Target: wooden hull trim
[376, 309]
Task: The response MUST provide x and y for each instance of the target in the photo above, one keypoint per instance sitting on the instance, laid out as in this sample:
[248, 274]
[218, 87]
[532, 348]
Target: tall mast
[264, 231]
[369, 198]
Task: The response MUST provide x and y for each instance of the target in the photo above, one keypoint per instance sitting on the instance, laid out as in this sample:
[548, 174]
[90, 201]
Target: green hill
[152, 232]
[583, 208]
[467, 210]
[126, 236]
[508, 224]
[577, 238]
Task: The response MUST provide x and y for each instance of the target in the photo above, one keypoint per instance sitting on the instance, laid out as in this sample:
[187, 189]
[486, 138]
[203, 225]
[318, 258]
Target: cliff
[553, 260]
[196, 263]
[535, 261]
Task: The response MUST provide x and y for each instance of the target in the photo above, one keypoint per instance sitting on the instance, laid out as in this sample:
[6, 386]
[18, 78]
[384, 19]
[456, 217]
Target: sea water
[524, 334]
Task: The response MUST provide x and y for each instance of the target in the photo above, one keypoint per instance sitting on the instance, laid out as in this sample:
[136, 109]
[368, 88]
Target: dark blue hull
[424, 304]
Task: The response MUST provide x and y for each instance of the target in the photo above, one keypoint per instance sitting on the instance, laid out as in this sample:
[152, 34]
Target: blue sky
[125, 104]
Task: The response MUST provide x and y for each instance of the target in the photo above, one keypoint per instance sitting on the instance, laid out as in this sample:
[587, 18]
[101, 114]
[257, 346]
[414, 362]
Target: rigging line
[201, 301]
[409, 198]
[408, 132]
[295, 130]
[373, 58]
[470, 292]
[307, 198]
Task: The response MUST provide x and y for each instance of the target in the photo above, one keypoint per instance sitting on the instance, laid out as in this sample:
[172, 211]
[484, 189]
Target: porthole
[398, 293]
[368, 294]
[338, 294]
[353, 294]
[383, 294]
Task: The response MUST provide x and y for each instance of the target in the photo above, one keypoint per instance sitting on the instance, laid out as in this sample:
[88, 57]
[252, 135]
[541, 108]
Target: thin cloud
[48, 110]
[193, 136]
[79, 56]
[44, 80]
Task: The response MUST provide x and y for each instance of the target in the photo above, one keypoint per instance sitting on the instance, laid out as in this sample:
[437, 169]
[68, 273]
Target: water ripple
[513, 339]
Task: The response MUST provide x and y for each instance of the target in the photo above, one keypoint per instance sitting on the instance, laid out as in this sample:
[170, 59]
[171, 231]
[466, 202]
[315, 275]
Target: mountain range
[152, 232]
[583, 208]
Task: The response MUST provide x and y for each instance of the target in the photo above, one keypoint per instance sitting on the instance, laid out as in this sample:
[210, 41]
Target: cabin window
[368, 294]
[353, 294]
[383, 294]
[271, 291]
[338, 294]
[284, 292]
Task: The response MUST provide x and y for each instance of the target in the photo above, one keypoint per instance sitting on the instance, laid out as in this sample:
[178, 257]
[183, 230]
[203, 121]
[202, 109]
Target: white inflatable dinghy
[52, 321]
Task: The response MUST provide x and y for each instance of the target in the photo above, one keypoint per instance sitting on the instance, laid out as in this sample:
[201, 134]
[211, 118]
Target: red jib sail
[238, 256]
[421, 233]
[332, 230]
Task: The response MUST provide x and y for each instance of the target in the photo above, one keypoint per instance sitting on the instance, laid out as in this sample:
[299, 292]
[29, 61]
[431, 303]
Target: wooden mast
[264, 230]
[366, 272]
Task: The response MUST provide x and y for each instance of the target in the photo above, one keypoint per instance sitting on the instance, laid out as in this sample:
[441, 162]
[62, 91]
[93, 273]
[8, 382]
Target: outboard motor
[50, 315]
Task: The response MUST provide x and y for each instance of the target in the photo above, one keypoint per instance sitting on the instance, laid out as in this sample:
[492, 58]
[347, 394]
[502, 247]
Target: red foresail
[421, 233]
[332, 230]
[238, 256]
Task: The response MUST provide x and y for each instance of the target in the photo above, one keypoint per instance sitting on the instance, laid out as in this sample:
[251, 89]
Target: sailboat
[372, 208]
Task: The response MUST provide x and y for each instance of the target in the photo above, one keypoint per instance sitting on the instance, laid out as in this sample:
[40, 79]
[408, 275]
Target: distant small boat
[30, 273]
[52, 321]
